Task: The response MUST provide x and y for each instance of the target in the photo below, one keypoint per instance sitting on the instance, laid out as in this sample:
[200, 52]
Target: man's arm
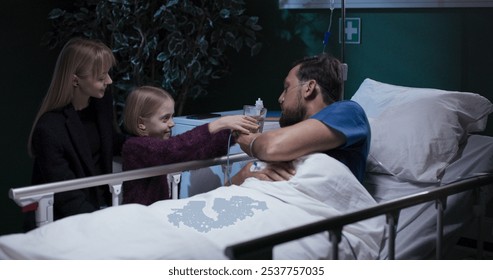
[285, 145]
[289, 143]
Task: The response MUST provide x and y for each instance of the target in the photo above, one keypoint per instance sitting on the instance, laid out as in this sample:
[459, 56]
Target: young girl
[148, 114]
[73, 134]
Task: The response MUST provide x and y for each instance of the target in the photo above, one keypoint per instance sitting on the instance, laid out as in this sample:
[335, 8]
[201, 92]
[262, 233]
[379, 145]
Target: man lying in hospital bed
[202, 226]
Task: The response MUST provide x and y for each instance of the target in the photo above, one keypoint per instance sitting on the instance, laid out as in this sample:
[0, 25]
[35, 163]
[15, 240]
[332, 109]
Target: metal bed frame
[42, 197]
[261, 248]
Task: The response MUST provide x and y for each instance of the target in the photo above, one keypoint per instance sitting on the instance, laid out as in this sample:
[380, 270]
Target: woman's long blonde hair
[81, 57]
[143, 102]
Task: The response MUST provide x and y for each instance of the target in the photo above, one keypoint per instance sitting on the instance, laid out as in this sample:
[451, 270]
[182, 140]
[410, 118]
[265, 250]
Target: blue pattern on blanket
[228, 213]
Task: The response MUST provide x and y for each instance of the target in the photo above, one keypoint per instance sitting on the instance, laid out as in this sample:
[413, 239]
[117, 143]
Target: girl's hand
[239, 123]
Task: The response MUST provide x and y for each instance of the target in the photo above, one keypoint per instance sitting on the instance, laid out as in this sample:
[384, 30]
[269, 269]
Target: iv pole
[343, 70]
[343, 37]
[344, 67]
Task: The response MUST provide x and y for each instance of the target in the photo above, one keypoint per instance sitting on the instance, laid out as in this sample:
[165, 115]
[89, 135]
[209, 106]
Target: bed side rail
[42, 195]
[261, 248]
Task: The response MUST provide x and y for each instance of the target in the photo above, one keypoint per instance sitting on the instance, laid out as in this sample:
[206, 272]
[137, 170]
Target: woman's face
[160, 124]
[94, 86]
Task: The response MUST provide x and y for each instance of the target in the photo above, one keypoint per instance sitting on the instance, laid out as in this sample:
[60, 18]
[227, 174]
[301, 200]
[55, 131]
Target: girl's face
[159, 125]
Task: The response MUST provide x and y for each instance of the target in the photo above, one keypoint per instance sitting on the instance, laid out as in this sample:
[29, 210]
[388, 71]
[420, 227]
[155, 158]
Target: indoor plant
[177, 45]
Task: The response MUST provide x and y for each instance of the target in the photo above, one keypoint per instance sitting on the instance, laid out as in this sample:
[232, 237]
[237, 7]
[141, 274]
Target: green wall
[439, 48]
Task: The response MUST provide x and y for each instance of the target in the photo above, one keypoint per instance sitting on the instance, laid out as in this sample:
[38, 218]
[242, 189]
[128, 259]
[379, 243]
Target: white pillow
[416, 132]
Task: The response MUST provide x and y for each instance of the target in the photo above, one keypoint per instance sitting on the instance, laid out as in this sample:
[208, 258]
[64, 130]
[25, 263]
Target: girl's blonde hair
[81, 57]
[143, 102]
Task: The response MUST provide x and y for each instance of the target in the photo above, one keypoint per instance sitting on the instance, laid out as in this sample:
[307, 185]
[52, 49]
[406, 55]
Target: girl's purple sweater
[141, 152]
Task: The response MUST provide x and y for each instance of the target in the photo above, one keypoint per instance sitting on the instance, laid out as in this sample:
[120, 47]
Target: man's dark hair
[326, 71]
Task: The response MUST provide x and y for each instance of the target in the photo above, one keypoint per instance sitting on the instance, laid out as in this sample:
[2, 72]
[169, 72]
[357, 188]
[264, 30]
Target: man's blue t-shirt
[348, 118]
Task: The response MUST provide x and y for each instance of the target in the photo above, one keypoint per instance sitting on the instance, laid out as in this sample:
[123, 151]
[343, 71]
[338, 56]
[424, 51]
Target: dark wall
[440, 48]
[25, 76]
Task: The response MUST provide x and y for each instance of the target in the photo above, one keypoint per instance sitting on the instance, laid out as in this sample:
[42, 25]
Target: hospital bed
[425, 185]
[431, 176]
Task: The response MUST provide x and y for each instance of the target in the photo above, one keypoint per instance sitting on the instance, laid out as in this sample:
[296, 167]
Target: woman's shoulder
[54, 119]
[51, 117]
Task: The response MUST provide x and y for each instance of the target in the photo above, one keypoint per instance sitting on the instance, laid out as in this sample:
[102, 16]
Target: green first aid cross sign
[352, 31]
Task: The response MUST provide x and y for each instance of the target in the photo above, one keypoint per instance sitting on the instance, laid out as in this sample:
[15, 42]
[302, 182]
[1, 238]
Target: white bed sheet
[202, 226]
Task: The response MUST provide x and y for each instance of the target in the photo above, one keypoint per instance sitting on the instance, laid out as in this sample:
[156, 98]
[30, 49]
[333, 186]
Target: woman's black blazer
[62, 152]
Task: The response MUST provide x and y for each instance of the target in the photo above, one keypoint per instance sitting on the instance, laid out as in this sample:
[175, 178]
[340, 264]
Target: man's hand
[274, 171]
[244, 140]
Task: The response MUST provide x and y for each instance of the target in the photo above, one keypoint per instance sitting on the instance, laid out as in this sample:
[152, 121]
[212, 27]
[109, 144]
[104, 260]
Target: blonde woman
[148, 116]
[73, 134]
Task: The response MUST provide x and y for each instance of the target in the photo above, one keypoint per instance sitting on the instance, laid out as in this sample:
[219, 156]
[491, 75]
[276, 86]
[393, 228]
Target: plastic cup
[257, 113]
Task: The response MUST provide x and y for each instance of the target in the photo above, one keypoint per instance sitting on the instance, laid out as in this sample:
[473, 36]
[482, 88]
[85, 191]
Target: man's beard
[290, 117]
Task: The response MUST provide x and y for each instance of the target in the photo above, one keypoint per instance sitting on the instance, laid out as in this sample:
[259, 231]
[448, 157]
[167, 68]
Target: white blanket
[202, 226]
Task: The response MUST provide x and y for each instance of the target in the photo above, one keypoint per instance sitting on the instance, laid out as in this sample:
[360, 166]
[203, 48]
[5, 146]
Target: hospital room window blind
[326, 4]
